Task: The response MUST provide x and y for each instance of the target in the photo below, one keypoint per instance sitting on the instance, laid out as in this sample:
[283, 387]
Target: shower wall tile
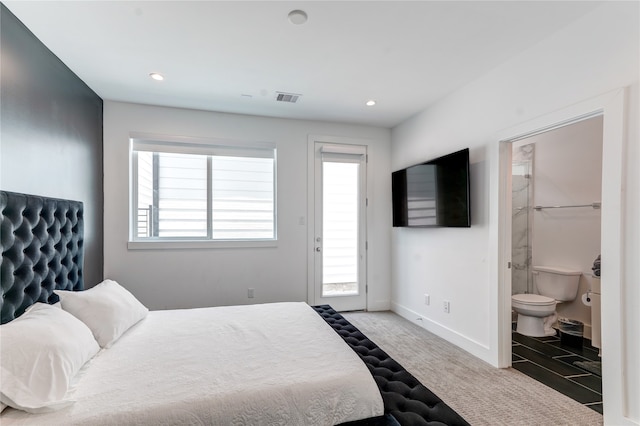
[522, 198]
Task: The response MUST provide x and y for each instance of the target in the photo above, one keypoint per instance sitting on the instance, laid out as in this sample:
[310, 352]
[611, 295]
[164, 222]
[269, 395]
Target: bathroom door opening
[612, 106]
[549, 227]
[555, 214]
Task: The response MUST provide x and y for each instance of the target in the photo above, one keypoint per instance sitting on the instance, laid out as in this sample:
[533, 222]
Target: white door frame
[612, 108]
[311, 215]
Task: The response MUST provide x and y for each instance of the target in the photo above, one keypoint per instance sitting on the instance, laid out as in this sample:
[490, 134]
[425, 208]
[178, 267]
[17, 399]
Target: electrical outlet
[447, 306]
[427, 299]
[250, 293]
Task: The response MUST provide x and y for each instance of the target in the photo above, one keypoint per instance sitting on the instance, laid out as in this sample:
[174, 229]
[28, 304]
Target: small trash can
[571, 332]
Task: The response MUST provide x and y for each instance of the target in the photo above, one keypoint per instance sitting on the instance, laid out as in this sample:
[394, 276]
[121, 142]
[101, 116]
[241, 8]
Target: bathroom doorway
[555, 204]
[612, 107]
[556, 187]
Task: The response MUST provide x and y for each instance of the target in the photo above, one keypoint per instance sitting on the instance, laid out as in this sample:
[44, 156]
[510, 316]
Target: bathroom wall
[568, 171]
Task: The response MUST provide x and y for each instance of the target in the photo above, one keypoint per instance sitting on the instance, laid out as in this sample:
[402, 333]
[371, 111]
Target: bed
[98, 356]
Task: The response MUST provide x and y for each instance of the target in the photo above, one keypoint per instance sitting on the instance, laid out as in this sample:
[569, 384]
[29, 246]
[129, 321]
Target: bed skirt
[406, 400]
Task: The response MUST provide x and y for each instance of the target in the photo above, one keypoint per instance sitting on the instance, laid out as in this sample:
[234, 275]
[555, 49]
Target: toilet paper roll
[586, 299]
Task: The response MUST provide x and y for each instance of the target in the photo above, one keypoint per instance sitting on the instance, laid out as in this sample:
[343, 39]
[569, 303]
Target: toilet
[537, 312]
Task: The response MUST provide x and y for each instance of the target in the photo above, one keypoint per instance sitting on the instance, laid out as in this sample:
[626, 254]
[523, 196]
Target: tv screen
[434, 193]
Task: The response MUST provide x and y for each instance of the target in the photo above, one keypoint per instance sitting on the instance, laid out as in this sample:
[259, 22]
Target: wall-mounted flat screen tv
[434, 193]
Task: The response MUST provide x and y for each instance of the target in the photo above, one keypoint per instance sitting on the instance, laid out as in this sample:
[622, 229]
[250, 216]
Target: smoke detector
[291, 98]
[298, 17]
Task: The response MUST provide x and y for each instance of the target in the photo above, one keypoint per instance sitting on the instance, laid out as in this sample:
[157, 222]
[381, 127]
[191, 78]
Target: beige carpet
[482, 394]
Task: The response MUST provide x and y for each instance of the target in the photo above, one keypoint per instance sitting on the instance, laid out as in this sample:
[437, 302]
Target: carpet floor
[479, 392]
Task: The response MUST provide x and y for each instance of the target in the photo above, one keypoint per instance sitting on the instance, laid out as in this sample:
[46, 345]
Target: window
[193, 190]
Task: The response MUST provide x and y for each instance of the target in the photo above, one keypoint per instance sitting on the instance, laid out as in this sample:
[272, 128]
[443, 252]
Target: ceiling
[234, 56]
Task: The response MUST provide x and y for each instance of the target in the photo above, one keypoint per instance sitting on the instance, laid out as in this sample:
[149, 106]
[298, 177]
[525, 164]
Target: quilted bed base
[406, 400]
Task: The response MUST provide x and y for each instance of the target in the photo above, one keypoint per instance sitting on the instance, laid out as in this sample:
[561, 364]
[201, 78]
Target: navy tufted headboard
[41, 241]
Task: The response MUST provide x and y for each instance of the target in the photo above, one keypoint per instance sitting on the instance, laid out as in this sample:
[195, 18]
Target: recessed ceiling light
[371, 102]
[156, 76]
[298, 17]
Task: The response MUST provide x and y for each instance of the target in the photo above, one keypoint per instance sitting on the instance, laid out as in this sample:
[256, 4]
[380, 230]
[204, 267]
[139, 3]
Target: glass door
[340, 226]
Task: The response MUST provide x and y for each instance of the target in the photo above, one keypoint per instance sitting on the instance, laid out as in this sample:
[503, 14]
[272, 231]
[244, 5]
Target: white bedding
[240, 365]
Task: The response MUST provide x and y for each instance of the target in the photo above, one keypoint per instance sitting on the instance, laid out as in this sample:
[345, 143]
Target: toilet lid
[532, 299]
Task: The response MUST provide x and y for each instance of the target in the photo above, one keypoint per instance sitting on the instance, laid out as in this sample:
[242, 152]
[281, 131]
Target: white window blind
[182, 195]
[202, 191]
[243, 195]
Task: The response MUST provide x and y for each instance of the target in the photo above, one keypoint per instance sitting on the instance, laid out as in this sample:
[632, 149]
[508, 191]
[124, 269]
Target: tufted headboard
[41, 241]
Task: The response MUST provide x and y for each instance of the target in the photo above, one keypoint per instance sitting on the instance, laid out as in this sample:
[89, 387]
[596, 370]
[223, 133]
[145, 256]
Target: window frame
[198, 146]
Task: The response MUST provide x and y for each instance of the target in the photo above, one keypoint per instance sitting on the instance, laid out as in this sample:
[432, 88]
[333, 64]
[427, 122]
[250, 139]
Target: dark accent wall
[50, 132]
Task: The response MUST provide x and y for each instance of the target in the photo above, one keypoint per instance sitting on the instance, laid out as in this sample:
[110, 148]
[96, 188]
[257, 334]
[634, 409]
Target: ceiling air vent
[292, 98]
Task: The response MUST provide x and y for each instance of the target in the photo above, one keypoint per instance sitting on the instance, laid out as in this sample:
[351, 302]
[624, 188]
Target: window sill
[208, 244]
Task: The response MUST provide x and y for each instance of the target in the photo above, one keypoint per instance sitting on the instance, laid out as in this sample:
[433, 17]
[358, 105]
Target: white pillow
[108, 309]
[41, 352]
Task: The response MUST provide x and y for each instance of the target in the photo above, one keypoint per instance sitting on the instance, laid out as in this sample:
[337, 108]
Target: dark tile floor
[551, 362]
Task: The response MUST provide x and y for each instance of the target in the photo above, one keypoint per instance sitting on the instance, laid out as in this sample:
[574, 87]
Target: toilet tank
[556, 282]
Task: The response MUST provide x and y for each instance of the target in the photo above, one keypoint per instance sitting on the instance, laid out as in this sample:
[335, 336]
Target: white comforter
[271, 364]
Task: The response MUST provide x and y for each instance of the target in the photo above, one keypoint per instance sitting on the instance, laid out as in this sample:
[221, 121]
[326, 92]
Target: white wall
[595, 55]
[185, 278]
[567, 170]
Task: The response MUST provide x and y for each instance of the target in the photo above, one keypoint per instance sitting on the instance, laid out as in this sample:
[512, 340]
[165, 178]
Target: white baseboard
[379, 305]
[474, 348]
